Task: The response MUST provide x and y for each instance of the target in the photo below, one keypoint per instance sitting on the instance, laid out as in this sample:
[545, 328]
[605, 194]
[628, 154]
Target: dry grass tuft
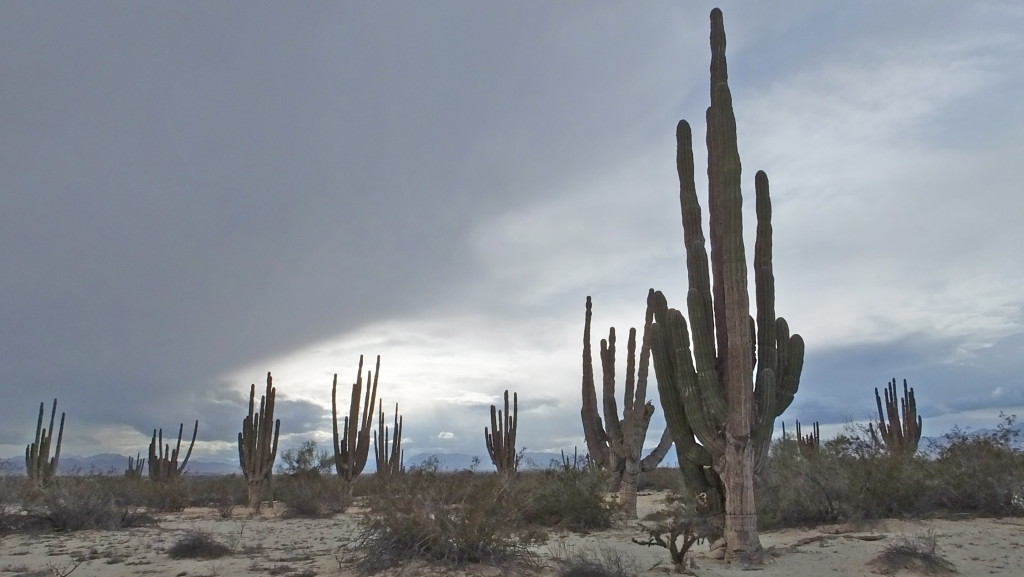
[918, 555]
[198, 545]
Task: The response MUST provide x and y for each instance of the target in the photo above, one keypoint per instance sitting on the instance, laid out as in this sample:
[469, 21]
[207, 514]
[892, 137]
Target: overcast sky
[193, 194]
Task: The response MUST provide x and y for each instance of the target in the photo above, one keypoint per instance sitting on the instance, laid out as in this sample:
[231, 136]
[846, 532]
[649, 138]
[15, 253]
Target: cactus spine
[716, 394]
[619, 446]
[257, 447]
[902, 434]
[501, 443]
[40, 467]
[163, 463]
[388, 452]
[352, 449]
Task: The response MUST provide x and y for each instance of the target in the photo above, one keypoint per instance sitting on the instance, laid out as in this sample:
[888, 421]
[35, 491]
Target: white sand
[271, 545]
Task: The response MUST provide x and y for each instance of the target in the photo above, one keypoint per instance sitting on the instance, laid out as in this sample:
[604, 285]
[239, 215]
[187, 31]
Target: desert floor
[272, 545]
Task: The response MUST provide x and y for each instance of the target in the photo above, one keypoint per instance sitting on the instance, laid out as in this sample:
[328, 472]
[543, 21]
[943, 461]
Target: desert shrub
[592, 562]
[451, 518]
[198, 545]
[567, 496]
[918, 554]
[793, 490]
[979, 474]
[306, 459]
[660, 479]
[83, 503]
[310, 495]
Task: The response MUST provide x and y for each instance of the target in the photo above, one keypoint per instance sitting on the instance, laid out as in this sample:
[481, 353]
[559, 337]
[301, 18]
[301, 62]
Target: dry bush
[660, 479]
[592, 562]
[449, 518]
[310, 495]
[569, 496]
[980, 474]
[74, 504]
[918, 555]
[198, 545]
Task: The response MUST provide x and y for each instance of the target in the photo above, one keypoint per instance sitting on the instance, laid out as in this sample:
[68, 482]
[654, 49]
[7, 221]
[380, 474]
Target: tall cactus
[257, 447]
[163, 463]
[501, 439]
[40, 467]
[902, 434]
[619, 447]
[387, 450]
[353, 447]
[716, 394]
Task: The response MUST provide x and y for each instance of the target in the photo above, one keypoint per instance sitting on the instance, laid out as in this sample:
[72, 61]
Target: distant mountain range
[114, 464]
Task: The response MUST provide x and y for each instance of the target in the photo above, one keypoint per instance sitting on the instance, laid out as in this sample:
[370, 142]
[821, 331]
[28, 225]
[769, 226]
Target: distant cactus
[902, 433]
[40, 467]
[352, 449]
[257, 447]
[163, 463]
[501, 438]
[388, 452]
[809, 445]
[135, 466]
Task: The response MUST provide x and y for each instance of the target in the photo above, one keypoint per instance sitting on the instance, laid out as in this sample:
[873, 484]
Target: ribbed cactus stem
[352, 448]
[388, 451]
[501, 443]
[38, 464]
[593, 427]
[899, 426]
[741, 372]
[623, 439]
[257, 444]
[163, 462]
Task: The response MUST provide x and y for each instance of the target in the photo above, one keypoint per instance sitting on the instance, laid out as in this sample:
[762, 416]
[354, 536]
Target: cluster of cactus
[257, 444]
[616, 444]
[163, 462]
[899, 426]
[135, 466]
[352, 448]
[388, 451]
[40, 466]
[716, 394]
[810, 444]
[501, 438]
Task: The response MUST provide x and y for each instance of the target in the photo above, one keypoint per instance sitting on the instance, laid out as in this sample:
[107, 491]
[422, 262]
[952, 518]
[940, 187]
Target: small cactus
[40, 467]
[163, 463]
[501, 443]
[902, 434]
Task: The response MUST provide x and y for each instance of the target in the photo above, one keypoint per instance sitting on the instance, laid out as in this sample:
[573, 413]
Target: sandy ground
[271, 545]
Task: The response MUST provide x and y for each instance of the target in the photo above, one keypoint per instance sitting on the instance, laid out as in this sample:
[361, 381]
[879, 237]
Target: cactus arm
[593, 427]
